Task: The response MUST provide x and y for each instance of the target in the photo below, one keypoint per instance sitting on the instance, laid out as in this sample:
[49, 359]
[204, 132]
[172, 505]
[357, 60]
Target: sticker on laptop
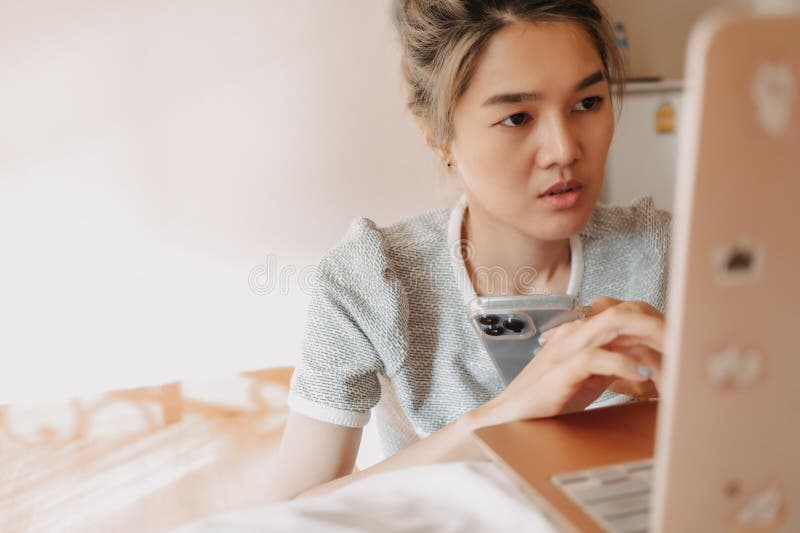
[739, 262]
[735, 368]
[773, 90]
[763, 511]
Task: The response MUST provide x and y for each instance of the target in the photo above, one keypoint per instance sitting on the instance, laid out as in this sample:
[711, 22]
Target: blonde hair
[442, 41]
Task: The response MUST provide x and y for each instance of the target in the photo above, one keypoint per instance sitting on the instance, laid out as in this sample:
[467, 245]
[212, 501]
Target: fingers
[645, 355]
[601, 303]
[559, 332]
[600, 362]
[603, 328]
[628, 329]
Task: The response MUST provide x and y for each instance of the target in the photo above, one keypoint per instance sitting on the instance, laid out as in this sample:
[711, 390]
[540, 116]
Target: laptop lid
[728, 434]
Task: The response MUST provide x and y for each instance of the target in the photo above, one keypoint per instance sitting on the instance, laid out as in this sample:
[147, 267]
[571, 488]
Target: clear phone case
[509, 326]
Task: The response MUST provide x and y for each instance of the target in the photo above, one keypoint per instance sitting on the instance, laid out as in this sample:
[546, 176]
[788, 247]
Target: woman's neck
[503, 261]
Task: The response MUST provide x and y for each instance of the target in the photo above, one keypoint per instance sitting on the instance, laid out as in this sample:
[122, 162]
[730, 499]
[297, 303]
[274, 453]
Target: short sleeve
[336, 380]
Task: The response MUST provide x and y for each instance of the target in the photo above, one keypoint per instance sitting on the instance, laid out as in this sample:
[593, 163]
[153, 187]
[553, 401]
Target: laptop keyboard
[616, 496]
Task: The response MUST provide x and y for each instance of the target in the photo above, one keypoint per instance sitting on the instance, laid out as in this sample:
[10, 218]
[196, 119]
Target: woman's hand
[641, 390]
[620, 342]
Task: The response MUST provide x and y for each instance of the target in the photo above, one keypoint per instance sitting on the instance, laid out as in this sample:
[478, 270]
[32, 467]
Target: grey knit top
[387, 326]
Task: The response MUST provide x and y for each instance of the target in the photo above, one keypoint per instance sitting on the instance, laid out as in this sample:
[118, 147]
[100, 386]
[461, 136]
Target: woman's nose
[558, 145]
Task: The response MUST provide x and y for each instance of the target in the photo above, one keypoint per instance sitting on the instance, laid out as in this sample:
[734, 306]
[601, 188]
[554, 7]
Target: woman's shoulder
[626, 252]
[364, 280]
[639, 220]
[368, 247]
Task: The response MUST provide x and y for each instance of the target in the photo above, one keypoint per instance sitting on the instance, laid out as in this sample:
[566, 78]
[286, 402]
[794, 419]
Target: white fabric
[452, 497]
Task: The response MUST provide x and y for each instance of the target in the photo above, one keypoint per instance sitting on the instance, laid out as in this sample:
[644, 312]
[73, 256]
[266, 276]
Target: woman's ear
[441, 151]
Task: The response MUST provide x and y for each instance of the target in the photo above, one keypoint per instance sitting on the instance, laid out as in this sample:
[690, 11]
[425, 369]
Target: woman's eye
[517, 119]
[589, 104]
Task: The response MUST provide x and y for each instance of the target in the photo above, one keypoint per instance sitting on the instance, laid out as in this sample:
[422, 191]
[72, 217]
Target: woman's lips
[563, 186]
[563, 195]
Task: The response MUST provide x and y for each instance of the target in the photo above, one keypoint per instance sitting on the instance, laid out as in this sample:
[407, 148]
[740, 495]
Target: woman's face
[537, 114]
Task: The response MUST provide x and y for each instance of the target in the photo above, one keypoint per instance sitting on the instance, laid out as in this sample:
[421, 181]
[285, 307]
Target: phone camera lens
[494, 332]
[514, 324]
[489, 320]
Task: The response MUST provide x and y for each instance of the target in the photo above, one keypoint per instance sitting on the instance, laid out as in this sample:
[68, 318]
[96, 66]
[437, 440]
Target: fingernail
[644, 371]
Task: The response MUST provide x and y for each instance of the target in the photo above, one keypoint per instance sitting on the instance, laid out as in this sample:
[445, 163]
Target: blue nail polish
[644, 371]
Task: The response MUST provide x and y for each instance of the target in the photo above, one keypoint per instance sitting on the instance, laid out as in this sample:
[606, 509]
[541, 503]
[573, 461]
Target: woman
[515, 98]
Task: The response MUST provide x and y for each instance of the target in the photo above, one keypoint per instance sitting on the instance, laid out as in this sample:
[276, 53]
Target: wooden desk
[532, 451]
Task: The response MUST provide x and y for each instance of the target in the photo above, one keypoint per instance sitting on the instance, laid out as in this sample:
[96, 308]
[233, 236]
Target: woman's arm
[453, 442]
[572, 370]
[317, 457]
[311, 453]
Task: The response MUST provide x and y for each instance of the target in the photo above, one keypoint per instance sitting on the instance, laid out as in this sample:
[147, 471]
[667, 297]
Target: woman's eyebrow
[515, 98]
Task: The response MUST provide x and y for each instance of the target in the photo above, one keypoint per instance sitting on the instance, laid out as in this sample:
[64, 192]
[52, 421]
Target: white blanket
[451, 497]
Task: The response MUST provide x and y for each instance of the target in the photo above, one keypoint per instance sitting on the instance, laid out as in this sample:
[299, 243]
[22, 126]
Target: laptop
[720, 451]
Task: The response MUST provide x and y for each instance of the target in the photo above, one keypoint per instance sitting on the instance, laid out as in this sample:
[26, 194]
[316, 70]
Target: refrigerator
[643, 154]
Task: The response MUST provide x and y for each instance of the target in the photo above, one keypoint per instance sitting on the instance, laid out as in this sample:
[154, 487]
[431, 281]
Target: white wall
[658, 30]
[153, 153]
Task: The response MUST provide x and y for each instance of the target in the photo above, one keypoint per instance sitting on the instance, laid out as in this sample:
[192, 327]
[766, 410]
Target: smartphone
[509, 326]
